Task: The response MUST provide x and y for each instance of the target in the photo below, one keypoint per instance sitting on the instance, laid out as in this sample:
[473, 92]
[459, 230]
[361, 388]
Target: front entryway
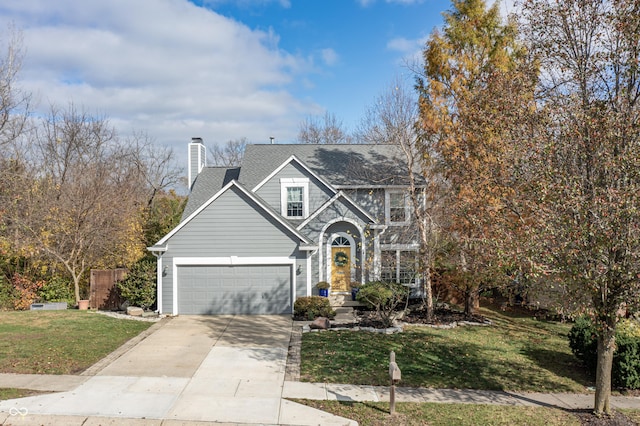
[340, 264]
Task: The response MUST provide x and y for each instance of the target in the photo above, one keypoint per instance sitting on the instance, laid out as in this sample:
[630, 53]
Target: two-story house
[254, 238]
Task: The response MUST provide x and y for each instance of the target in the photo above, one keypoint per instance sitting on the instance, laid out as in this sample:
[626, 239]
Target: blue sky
[218, 69]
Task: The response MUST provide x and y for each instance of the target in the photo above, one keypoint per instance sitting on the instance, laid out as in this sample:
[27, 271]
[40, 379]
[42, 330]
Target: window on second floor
[295, 201]
[294, 197]
[397, 207]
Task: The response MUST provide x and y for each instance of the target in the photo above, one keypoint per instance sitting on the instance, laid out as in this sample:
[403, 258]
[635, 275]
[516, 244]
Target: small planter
[354, 293]
[323, 288]
[83, 305]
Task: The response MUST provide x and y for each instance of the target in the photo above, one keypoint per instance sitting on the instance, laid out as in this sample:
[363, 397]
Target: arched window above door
[340, 241]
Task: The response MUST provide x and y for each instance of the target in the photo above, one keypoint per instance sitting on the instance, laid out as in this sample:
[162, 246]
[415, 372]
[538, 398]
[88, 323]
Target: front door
[340, 269]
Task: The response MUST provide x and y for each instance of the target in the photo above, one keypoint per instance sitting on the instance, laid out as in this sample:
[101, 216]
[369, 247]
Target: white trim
[268, 210]
[352, 256]
[286, 183]
[304, 166]
[309, 282]
[321, 241]
[230, 261]
[331, 201]
[387, 208]
[159, 283]
[201, 160]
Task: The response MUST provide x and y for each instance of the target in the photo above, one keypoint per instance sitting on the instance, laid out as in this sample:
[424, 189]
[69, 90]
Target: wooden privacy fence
[103, 291]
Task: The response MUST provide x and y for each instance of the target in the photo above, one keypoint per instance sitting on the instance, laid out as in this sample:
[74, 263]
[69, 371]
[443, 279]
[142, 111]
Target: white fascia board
[304, 166]
[330, 202]
[157, 249]
[216, 196]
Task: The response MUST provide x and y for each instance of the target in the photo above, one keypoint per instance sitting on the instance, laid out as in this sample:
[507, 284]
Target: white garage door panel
[241, 289]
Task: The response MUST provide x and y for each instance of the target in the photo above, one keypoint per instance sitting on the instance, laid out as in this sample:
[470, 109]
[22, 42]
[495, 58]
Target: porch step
[344, 315]
[339, 300]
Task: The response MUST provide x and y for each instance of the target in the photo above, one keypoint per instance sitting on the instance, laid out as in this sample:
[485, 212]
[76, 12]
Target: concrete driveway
[194, 368]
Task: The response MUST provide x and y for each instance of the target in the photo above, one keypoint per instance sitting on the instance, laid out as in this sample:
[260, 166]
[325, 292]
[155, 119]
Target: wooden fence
[103, 292]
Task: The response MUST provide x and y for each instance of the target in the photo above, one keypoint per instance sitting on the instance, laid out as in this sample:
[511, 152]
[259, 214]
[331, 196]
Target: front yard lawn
[60, 342]
[517, 353]
[435, 414]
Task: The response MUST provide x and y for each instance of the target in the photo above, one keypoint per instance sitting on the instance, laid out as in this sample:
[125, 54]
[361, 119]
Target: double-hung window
[294, 197]
[396, 207]
[295, 201]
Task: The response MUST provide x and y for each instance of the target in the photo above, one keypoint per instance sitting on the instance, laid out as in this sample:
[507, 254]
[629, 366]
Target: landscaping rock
[134, 311]
[320, 323]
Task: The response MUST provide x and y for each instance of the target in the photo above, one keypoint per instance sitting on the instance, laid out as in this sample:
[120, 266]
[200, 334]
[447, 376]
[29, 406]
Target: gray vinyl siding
[336, 210]
[270, 192]
[233, 225]
[370, 199]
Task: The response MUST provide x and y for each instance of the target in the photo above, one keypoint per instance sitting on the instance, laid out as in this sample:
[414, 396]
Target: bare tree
[80, 201]
[14, 102]
[587, 189]
[328, 130]
[156, 165]
[392, 120]
[229, 154]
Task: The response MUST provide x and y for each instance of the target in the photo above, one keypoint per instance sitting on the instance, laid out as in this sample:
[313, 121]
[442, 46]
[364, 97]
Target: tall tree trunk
[428, 293]
[606, 347]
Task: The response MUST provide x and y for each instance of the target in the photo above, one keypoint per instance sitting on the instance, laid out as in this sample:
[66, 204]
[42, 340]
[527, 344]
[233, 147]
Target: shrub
[8, 294]
[26, 290]
[384, 297]
[584, 343]
[139, 286]
[57, 289]
[311, 307]
[626, 359]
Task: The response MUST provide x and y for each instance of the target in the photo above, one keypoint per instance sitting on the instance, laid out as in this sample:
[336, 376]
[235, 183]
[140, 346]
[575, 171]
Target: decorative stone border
[390, 330]
[454, 324]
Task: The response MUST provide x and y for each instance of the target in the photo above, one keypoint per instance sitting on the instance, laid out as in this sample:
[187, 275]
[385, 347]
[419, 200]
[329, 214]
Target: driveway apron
[194, 368]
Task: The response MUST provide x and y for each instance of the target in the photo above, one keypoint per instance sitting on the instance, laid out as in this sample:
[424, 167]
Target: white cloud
[329, 56]
[166, 67]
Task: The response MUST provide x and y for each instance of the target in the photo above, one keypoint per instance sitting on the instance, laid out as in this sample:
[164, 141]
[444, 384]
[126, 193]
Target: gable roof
[332, 201]
[290, 160]
[339, 164]
[209, 181]
[233, 183]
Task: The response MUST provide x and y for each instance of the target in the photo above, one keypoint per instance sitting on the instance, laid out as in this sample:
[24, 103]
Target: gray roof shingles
[340, 165]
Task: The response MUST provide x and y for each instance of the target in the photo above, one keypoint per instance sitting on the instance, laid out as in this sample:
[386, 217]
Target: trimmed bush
[583, 342]
[139, 286]
[384, 297]
[626, 359]
[57, 289]
[312, 307]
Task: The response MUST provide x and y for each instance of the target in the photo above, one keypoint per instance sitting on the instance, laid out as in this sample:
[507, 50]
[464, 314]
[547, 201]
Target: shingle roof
[340, 165]
[207, 183]
[372, 165]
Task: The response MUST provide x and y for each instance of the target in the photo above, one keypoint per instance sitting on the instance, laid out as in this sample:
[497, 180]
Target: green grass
[12, 393]
[60, 342]
[408, 413]
[517, 353]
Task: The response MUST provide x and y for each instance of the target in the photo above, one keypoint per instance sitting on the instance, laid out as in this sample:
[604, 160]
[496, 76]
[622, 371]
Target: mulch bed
[587, 418]
[416, 315]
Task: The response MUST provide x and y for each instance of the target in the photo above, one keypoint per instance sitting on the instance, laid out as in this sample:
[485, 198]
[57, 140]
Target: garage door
[240, 289]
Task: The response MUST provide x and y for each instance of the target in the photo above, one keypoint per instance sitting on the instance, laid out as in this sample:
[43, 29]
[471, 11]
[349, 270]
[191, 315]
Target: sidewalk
[345, 392]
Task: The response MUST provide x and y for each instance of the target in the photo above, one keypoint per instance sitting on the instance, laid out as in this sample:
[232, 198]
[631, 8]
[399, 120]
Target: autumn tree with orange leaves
[475, 90]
